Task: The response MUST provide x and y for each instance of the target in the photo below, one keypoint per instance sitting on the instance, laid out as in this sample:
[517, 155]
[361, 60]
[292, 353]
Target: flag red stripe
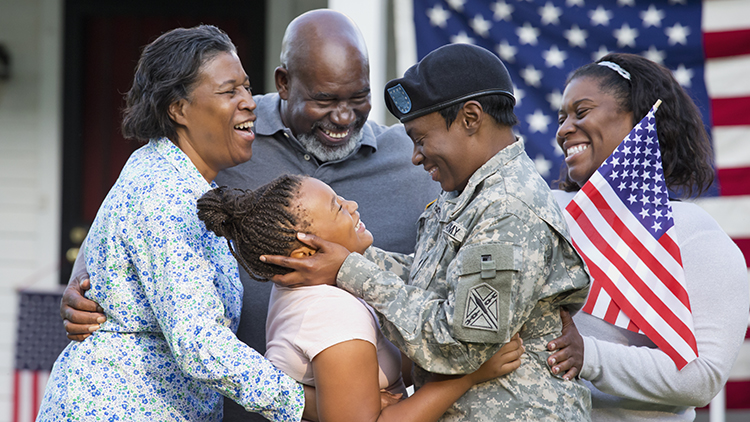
[744, 245]
[16, 394]
[593, 293]
[637, 247]
[730, 111]
[640, 286]
[612, 311]
[726, 43]
[651, 333]
[671, 246]
[737, 394]
[734, 181]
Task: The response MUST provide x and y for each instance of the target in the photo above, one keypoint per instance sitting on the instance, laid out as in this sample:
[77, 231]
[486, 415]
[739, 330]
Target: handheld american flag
[621, 223]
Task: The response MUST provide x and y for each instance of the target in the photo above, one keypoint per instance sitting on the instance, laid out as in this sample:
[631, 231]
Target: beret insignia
[400, 98]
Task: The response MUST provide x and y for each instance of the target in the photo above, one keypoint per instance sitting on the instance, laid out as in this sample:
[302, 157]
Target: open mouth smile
[575, 149]
[247, 126]
[335, 135]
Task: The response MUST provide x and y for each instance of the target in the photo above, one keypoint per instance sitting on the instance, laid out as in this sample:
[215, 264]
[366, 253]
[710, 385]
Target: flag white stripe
[726, 77]
[732, 145]
[731, 212]
[622, 320]
[725, 15]
[602, 304]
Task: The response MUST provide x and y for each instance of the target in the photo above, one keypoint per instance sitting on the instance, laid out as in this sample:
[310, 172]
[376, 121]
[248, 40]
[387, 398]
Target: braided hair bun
[255, 223]
[219, 211]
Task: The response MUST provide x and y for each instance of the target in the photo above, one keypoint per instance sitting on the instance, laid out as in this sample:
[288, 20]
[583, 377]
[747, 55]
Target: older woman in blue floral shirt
[170, 289]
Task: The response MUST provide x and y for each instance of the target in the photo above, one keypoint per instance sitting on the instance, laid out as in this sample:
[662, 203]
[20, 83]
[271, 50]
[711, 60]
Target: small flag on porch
[39, 340]
[621, 223]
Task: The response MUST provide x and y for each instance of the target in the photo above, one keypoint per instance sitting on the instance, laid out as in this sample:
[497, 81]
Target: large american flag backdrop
[706, 45]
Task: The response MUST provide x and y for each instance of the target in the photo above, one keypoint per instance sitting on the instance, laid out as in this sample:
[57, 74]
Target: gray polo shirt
[390, 190]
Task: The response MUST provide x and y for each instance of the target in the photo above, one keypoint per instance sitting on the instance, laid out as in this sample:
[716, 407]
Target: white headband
[616, 67]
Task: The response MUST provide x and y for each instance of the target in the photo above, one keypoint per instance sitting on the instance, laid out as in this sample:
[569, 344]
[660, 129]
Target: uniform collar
[492, 166]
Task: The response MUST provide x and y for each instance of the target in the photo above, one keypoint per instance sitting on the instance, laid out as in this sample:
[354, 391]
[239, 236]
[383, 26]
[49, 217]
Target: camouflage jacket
[490, 261]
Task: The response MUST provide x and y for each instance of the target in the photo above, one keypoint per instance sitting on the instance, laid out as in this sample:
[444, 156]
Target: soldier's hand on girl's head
[318, 268]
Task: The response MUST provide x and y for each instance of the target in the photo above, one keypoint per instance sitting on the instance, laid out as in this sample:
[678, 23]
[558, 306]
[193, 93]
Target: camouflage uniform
[491, 261]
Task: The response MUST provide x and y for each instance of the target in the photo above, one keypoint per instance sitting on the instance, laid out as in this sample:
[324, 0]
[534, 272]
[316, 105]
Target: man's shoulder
[267, 110]
[388, 135]
[264, 98]
[391, 147]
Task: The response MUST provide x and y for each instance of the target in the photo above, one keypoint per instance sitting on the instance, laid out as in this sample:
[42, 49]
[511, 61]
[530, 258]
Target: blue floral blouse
[172, 295]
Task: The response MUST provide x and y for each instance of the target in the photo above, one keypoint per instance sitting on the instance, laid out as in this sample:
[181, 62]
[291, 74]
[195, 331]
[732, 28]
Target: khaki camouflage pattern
[489, 262]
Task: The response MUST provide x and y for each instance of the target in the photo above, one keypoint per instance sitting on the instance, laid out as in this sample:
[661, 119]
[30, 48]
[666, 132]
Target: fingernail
[566, 378]
[263, 258]
[101, 320]
[555, 370]
[552, 361]
[301, 235]
[553, 346]
[93, 328]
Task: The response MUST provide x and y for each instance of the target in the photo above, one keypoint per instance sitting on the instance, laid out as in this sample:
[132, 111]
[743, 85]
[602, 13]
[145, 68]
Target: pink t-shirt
[304, 321]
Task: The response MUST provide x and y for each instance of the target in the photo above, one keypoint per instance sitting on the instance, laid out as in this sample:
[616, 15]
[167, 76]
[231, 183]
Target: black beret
[448, 75]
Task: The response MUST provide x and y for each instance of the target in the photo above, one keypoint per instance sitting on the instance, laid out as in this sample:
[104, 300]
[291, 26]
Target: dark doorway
[103, 40]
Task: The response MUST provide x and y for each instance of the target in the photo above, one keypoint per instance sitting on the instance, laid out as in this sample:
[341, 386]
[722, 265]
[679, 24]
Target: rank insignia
[481, 308]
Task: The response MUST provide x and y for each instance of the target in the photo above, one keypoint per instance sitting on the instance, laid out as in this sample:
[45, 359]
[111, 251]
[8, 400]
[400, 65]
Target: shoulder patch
[482, 308]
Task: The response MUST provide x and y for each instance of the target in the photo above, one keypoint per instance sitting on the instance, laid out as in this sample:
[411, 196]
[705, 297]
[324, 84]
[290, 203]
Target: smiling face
[326, 99]
[591, 125]
[446, 154]
[332, 217]
[215, 122]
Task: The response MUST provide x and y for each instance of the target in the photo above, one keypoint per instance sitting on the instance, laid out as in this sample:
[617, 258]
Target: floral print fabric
[172, 295]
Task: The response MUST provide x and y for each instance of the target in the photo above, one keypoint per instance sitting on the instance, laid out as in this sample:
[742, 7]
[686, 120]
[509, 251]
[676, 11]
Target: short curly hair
[167, 71]
[685, 146]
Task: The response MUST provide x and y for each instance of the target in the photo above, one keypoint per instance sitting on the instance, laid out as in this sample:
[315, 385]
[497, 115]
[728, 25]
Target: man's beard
[325, 152]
